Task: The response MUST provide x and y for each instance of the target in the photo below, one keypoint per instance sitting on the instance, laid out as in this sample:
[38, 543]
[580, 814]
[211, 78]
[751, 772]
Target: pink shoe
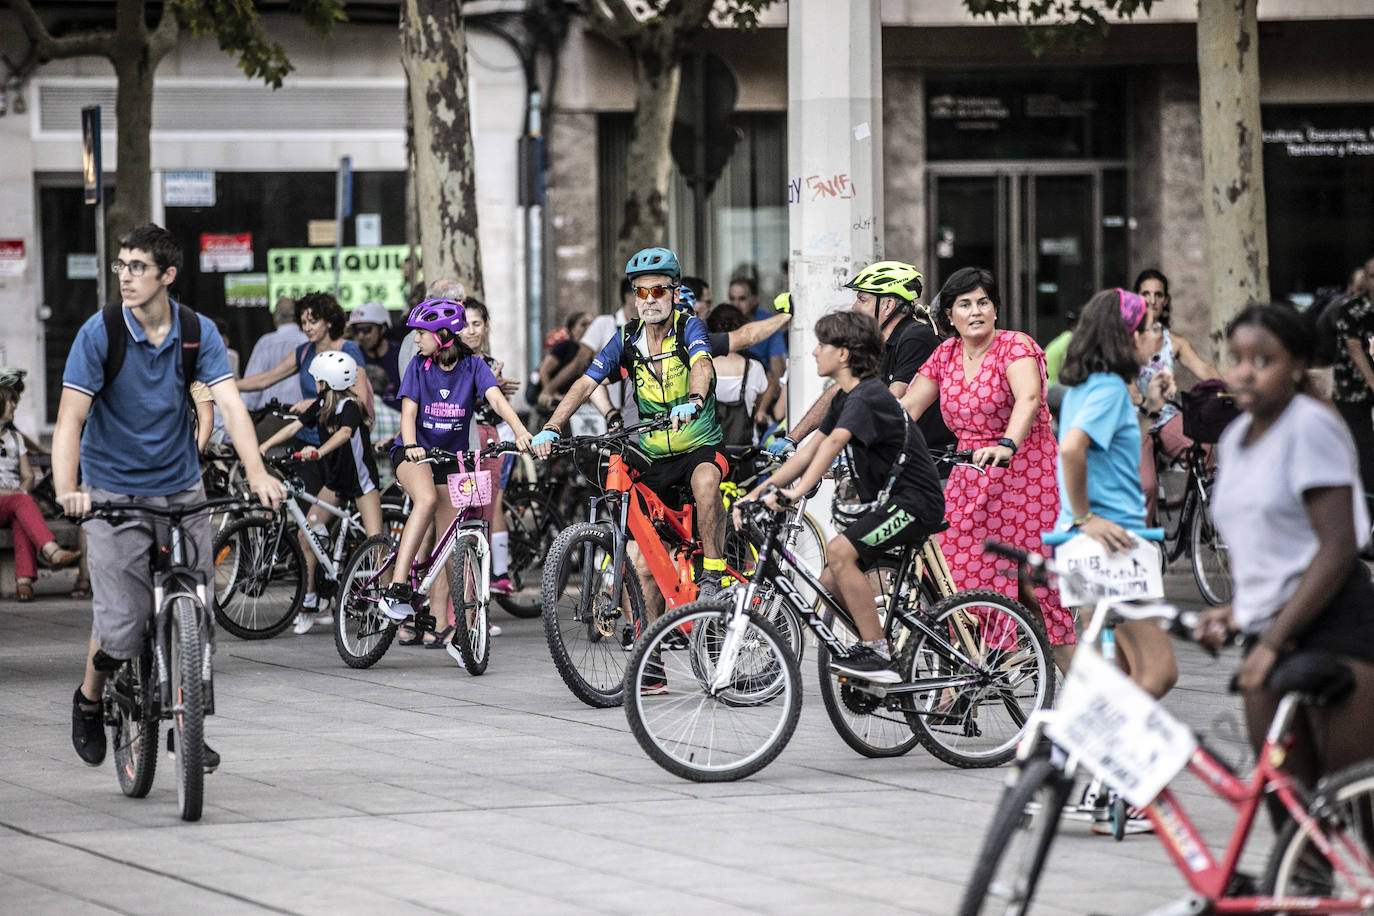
[501, 586]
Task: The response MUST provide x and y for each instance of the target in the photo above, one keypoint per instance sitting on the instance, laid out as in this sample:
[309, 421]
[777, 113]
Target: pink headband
[1132, 309]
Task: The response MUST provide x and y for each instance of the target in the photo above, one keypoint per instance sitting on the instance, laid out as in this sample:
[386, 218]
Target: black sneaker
[396, 600]
[654, 680]
[88, 729]
[862, 662]
[209, 757]
[627, 637]
[709, 588]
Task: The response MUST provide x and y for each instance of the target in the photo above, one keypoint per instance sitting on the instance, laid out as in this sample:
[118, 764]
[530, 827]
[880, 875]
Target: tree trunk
[1232, 167]
[133, 168]
[645, 220]
[434, 53]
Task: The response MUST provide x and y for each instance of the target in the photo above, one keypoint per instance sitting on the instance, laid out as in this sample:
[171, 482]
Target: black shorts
[671, 478]
[887, 528]
[1345, 627]
[351, 472]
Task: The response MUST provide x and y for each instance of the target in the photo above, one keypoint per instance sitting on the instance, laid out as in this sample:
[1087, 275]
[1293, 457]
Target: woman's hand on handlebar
[995, 455]
[1215, 627]
[1107, 533]
[416, 453]
[523, 440]
[268, 489]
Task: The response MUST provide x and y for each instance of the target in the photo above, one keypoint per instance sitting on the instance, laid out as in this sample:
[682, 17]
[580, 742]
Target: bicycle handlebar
[116, 510]
[610, 440]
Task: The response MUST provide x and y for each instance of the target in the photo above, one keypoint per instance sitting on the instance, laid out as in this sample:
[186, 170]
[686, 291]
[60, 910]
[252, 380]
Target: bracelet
[1148, 414]
[549, 428]
[1080, 522]
[699, 398]
[1007, 442]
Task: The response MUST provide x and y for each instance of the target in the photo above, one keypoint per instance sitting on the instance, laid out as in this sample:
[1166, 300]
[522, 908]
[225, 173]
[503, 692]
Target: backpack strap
[190, 344]
[117, 340]
[630, 353]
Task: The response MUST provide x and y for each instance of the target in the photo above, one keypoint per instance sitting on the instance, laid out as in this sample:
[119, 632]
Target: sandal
[440, 639]
[23, 591]
[407, 635]
[60, 558]
[81, 591]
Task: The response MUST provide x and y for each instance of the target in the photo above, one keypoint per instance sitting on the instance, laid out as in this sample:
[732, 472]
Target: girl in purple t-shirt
[440, 391]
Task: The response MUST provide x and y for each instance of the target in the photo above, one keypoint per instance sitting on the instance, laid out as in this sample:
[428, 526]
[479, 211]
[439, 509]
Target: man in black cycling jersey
[666, 353]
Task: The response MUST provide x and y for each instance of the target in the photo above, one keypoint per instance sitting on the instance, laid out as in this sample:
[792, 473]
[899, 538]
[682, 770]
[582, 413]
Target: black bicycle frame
[773, 551]
[1193, 497]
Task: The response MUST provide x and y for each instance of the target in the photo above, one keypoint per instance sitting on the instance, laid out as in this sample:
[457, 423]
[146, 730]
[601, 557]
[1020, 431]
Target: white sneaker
[324, 619]
[304, 621]
[493, 630]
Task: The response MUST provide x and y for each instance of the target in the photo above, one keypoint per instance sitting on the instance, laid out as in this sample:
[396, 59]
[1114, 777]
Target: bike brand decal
[1179, 837]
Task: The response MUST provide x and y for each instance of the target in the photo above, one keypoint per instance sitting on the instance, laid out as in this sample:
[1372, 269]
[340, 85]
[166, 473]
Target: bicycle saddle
[1322, 677]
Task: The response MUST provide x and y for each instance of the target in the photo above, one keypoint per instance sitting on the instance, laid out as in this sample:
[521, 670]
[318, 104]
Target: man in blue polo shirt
[134, 440]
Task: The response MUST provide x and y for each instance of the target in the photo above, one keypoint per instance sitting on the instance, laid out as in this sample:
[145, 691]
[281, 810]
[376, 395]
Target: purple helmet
[438, 315]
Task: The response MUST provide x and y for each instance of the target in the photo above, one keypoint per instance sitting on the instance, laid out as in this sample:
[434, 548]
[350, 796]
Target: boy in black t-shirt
[866, 421]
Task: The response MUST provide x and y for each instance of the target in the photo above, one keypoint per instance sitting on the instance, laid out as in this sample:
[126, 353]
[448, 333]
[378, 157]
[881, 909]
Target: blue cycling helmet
[654, 261]
[686, 299]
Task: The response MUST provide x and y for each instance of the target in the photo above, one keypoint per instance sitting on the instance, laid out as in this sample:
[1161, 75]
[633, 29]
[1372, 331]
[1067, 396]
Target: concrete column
[835, 166]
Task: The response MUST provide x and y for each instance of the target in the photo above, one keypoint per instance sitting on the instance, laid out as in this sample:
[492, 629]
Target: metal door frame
[1015, 225]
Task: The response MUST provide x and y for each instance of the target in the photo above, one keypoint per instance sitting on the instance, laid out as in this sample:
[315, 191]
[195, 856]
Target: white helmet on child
[335, 369]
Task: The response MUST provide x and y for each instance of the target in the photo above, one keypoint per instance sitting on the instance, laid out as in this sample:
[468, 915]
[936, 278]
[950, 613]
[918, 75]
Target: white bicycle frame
[331, 564]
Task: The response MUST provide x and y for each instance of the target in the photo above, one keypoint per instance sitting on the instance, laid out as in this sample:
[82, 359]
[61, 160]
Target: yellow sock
[709, 564]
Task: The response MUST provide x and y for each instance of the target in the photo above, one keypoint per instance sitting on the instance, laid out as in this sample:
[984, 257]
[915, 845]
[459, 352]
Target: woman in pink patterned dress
[991, 387]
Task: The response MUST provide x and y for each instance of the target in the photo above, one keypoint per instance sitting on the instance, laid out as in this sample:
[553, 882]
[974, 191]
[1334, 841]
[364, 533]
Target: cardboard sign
[226, 253]
[365, 274]
[1135, 575]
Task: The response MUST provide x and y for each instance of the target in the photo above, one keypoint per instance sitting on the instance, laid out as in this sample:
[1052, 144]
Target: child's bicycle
[172, 677]
[363, 632]
[592, 604]
[1111, 728]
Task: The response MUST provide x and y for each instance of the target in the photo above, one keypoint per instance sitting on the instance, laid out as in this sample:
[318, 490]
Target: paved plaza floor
[413, 787]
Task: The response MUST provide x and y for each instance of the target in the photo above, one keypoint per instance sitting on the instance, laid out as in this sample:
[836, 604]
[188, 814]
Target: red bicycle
[591, 599]
[1322, 862]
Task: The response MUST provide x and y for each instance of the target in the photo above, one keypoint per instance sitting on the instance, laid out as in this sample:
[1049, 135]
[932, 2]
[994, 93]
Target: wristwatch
[1007, 442]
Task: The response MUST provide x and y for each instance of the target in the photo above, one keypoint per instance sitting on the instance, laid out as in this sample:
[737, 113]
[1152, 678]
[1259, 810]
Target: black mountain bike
[171, 678]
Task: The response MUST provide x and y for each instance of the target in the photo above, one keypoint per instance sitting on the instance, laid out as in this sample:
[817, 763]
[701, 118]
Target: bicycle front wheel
[471, 633]
[1211, 561]
[362, 632]
[998, 650]
[532, 523]
[587, 631]
[134, 728]
[1017, 842]
[259, 578]
[689, 727]
[188, 649]
[1343, 807]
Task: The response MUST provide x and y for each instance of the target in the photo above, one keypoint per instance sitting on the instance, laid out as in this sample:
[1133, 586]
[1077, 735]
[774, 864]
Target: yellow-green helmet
[889, 278]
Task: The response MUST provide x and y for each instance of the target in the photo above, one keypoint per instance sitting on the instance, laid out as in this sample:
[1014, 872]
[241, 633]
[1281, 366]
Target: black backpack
[1320, 317]
[117, 335]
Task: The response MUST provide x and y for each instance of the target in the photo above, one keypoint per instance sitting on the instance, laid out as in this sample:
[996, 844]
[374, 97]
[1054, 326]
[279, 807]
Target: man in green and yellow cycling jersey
[667, 354]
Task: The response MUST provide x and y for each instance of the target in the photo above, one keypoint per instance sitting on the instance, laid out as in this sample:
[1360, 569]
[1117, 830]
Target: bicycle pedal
[868, 687]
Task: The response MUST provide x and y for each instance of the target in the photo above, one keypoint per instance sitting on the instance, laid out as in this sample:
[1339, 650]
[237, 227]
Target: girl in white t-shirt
[1289, 505]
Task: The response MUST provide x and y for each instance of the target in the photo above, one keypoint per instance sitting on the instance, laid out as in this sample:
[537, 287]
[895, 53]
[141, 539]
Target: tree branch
[83, 44]
[164, 37]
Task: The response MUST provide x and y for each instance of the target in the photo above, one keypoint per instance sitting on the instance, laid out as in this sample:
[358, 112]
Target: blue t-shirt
[773, 345]
[445, 399]
[1102, 408]
[305, 354]
[390, 363]
[139, 438]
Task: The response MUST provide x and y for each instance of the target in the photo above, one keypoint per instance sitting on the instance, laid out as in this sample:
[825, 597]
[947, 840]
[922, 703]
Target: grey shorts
[121, 582]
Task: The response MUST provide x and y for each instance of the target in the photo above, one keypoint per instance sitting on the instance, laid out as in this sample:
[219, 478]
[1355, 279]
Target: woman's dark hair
[1150, 273]
[451, 348]
[962, 282]
[480, 307]
[1100, 343]
[724, 319]
[1283, 321]
[325, 308]
[572, 321]
[8, 396]
[857, 333]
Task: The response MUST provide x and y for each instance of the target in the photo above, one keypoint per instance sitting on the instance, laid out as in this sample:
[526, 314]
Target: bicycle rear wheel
[1002, 649]
[362, 632]
[588, 634]
[187, 650]
[259, 578]
[133, 724]
[1211, 562]
[1343, 806]
[1017, 842]
[471, 636]
[700, 734]
[532, 523]
[869, 724]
